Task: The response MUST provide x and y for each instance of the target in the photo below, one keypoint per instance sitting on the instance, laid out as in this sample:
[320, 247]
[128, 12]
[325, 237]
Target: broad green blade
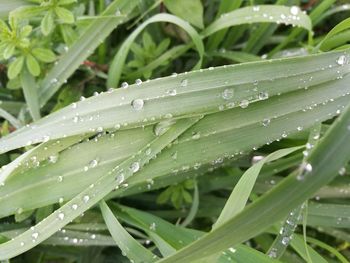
[30, 90]
[165, 234]
[326, 159]
[91, 195]
[240, 194]
[227, 134]
[258, 14]
[131, 248]
[199, 92]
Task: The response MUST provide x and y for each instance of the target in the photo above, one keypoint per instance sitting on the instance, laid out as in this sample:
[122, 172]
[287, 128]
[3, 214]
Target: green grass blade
[262, 13]
[30, 90]
[32, 158]
[225, 6]
[298, 244]
[229, 132]
[115, 70]
[240, 194]
[200, 92]
[236, 56]
[175, 237]
[342, 26]
[194, 208]
[11, 119]
[297, 32]
[132, 248]
[90, 196]
[97, 31]
[329, 155]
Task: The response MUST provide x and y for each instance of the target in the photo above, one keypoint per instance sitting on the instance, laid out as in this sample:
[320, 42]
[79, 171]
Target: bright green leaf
[191, 11]
[15, 68]
[65, 15]
[32, 65]
[44, 55]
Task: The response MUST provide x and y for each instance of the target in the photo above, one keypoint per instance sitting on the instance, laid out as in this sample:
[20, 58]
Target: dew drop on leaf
[135, 166]
[227, 94]
[294, 10]
[53, 158]
[138, 82]
[86, 198]
[342, 171]
[341, 60]
[172, 92]
[263, 96]
[184, 83]
[266, 122]
[124, 85]
[244, 104]
[60, 216]
[119, 179]
[137, 104]
[256, 8]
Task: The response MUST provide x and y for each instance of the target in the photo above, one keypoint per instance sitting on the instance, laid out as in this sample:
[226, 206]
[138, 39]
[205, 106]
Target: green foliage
[177, 194]
[145, 54]
[232, 145]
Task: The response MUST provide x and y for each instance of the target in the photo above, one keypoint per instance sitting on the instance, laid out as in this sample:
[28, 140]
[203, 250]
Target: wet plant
[174, 131]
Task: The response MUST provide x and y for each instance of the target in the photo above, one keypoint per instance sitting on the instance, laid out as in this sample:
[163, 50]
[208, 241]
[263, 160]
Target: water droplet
[341, 60]
[263, 96]
[232, 250]
[61, 200]
[299, 128]
[174, 156]
[227, 94]
[53, 158]
[125, 85]
[74, 105]
[60, 178]
[138, 82]
[22, 244]
[162, 127]
[148, 151]
[60, 216]
[86, 198]
[35, 235]
[342, 171]
[152, 226]
[184, 83]
[294, 10]
[120, 179]
[137, 104]
[244, 104]
[285, 241]
[135, 167]
[74, 206]
[266, 122]
[305, 168]
[256, 8]
[308, 167]
[196, 135]
[93, 163]
[172, 92]
[93, 236]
